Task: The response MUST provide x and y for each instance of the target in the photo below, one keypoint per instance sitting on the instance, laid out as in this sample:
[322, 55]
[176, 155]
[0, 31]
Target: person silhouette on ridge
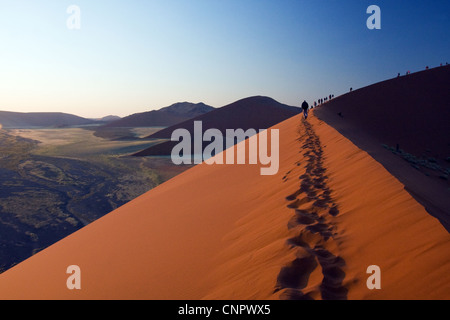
[305, 107]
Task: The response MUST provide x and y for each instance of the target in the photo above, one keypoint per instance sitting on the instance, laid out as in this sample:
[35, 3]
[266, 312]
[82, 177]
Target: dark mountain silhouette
[110, 118]
[164, 117]
[41, 119]
[255, 112]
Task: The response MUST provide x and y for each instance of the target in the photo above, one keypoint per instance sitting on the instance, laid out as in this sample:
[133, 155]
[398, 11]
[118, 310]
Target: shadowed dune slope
[226, 232]
[167, 116]
[254, 112]
[250, 113]
[412, 113]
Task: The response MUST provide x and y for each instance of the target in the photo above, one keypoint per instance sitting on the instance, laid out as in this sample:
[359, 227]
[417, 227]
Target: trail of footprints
[314, 209]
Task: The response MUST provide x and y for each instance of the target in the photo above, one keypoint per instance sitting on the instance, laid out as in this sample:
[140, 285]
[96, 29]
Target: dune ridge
[313, 205]
[226, 232]
[167, 116]
[256, 112]
[403, 123]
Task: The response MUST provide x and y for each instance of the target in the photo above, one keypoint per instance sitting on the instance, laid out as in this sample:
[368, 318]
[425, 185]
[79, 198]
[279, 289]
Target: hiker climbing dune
[305, 107]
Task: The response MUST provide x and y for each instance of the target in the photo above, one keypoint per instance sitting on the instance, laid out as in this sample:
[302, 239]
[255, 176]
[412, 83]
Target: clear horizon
[145, 55]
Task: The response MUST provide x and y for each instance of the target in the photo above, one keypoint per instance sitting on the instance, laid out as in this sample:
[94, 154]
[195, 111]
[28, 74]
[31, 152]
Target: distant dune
[309, 232]
[254, 112]
[110, 118]
[411, 113]
[41, 119]
[164, 117]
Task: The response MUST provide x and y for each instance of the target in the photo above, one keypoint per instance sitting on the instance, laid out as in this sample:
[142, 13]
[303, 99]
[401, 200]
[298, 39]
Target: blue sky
[138, 55]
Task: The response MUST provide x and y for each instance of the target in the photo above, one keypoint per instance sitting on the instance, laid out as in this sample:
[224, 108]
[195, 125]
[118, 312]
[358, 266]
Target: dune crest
[403, 123]
[226, 232]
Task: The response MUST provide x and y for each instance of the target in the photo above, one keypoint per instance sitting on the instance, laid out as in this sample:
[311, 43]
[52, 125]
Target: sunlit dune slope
[226, 232]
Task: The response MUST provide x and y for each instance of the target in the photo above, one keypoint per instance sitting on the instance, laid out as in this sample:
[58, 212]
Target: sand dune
[250, 113]
[164, 117]
[410, 113]
[257, 112]
[226, 232]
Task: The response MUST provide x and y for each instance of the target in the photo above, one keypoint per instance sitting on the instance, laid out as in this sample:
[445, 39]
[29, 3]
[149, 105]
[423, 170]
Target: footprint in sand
[316, 229]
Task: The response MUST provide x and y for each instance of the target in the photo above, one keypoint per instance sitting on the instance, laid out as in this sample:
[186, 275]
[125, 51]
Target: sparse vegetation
[430, 163]
[49, 190]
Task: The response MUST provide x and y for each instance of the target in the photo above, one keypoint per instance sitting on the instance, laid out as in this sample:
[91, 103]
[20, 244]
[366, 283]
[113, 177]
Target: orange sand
[221, 232]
